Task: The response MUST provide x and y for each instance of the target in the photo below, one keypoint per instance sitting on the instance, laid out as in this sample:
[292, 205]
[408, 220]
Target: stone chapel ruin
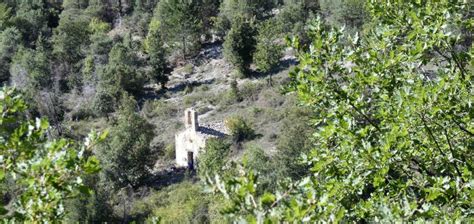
[191, 141]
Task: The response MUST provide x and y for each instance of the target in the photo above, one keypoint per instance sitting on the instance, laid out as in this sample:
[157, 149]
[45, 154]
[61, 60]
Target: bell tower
[191, 119]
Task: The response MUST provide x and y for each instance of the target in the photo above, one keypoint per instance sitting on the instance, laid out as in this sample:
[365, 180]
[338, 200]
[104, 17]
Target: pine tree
[9, 43]
[180, 25]
[267, 51]
[122, 70]
[126, 156]
[239, 45]
[156, 51]
[5, 15]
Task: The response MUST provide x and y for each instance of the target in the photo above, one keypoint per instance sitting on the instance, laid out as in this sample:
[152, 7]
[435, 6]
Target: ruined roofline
[211, 132]
[191, 121]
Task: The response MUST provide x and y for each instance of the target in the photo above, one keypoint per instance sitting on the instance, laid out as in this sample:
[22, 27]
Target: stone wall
[188, 140]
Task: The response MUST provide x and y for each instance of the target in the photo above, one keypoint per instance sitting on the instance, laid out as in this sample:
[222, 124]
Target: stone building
[191, 141]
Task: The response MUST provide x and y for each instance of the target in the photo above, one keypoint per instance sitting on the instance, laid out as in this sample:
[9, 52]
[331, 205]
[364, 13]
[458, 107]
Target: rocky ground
[204, 85]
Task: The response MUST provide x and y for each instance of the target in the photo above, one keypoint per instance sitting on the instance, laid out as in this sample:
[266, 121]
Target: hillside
[236, 111]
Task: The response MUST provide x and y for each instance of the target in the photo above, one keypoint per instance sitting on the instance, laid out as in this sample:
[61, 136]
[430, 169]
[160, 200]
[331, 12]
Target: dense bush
[127, 156]
[294, 141]
[213, 158]
[392, 141]
[185, 202]
[240, 129]
[37, 174]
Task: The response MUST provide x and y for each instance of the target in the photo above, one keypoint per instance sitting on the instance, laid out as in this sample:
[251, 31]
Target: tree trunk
[184, 48]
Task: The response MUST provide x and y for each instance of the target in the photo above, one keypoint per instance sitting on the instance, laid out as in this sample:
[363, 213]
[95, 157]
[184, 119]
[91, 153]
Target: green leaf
[3, 210]
[104, 135]
[268, 198]
[85, 190]
[92, 165]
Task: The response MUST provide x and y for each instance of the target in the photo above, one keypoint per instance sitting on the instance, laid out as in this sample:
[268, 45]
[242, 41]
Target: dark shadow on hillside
[159, 181]
[283, 65]
[171, 176]
[152, 94]
[209, 52]
[210, 131]
[182, 86]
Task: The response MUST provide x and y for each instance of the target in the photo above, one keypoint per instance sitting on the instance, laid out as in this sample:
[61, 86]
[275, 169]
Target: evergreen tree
[267, 51]
[98, 9]
[232, 10]
[156, 51]
[348, 13]
[294, 15]
[98, 51]
[208, 10]
[5, 15]
[31, 19]
[30, 68]
[122, 71]
[180, 25]
[213, 158]
[118, 76]
[71, 37]
[10, 39]
[126, 156]
[239, 45]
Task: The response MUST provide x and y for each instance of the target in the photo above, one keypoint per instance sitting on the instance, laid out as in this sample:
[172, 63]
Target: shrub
[293, 141]
[37, 172]
[214, 157]
[189, 88]
[392, 142]
[240, 129]
[148, 109]
[184, 202]
[251, 90]
[187, 69]
[233, 94]
[256, 159]
[170, 151]
[164, 109]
